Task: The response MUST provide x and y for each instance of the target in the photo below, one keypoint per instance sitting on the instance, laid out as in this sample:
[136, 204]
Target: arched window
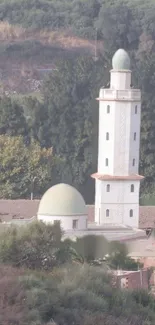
[107, 213]
[136, 109]
[133, 162]
[108, 109]
[108, 187]
[131, 213]
[106, 162]
[107, 136]
[134, 137]
[132, 188]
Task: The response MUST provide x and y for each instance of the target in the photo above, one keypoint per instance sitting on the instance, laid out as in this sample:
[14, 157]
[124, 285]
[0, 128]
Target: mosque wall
[78, 222]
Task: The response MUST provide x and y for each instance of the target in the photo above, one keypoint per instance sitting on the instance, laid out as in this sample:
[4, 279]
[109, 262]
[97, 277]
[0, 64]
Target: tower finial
[121, 60]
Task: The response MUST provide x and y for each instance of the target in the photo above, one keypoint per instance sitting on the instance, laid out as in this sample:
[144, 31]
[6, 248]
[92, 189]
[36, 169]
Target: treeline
[67, 120]
[67, 117]
[129, 17]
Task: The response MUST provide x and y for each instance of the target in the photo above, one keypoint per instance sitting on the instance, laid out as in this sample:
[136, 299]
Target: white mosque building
[117, 178]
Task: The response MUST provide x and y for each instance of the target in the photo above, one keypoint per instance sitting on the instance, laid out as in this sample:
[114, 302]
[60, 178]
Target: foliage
[96, 250]
[36, 246]
[12, 120]
[69, 96]
[12, 297]
[67, 119]
[21, 165]
[81, 295]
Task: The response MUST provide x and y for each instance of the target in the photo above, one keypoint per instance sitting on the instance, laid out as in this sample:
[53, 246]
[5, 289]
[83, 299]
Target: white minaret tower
[117, 179]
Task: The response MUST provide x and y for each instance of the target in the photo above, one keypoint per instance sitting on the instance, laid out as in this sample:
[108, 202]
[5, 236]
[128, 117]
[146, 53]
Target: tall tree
[69, 94]
[20, 165]
[36, 115]
[12, 120]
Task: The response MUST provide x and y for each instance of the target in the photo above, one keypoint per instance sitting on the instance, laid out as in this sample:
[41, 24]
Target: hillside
[26, 56]
[64, 37]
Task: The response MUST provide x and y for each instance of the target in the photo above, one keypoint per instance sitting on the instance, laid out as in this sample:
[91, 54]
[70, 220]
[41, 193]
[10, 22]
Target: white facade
[66, 222]
[117, 179]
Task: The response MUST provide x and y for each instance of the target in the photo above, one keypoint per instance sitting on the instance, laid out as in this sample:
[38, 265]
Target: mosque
[116, 213]
[117, 179]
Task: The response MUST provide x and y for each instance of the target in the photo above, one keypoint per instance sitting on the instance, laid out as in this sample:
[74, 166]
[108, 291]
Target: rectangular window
[107, 136]
[134, 137]
[107, 213]
[108, 109]
[75, 224]
[133, 162]
[131, 213]
[136, 108]
[108, 187]
[106, 162]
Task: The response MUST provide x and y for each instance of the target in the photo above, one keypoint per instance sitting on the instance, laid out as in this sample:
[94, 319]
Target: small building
[131, 279]
[63, 203]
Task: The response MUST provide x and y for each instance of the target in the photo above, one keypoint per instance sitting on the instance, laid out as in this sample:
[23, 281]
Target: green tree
[21, 164]
[32, 246]
[69, 94]
[12, 120]
[36, 115]
[36, 246]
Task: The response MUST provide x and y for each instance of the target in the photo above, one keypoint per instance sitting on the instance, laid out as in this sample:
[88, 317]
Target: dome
[62, 200]
[121, 60]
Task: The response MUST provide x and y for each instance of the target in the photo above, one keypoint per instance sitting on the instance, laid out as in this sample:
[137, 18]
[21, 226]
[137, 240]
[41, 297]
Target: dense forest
[65, 117]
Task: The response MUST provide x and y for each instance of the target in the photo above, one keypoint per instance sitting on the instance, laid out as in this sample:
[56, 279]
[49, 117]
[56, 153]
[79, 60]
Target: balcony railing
[120, 94]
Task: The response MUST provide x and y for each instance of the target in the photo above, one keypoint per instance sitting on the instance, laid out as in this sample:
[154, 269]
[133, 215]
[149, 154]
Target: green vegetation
[52, 284]
[66, 117]
[23, 165]
[41, 247]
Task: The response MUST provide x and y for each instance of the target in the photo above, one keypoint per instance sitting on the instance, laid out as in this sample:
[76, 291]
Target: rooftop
[26, 209]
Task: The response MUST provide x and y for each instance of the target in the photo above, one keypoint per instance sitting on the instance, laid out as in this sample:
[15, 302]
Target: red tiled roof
[10, 209]
[146, 217]
[110, 177]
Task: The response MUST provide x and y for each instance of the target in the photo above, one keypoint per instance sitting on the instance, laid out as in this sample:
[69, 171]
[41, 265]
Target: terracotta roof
[147, 217]
[10, 209]
[110, 177]
[24, 209]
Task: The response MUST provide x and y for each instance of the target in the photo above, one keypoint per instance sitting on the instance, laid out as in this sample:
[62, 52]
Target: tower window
[107, 136]
[133, 162]
[108, 187]
[136, 109]
[107, 213]
[108, 109]
[131, 213]
[134, 137]
[132, 188]
[106, 162]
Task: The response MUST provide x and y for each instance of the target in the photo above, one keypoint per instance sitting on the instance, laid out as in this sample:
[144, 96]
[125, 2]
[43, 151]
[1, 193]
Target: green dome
[121, 60]
[62, 200]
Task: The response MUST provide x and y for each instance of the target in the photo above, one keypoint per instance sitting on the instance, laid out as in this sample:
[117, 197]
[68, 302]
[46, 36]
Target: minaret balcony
[125, 95]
